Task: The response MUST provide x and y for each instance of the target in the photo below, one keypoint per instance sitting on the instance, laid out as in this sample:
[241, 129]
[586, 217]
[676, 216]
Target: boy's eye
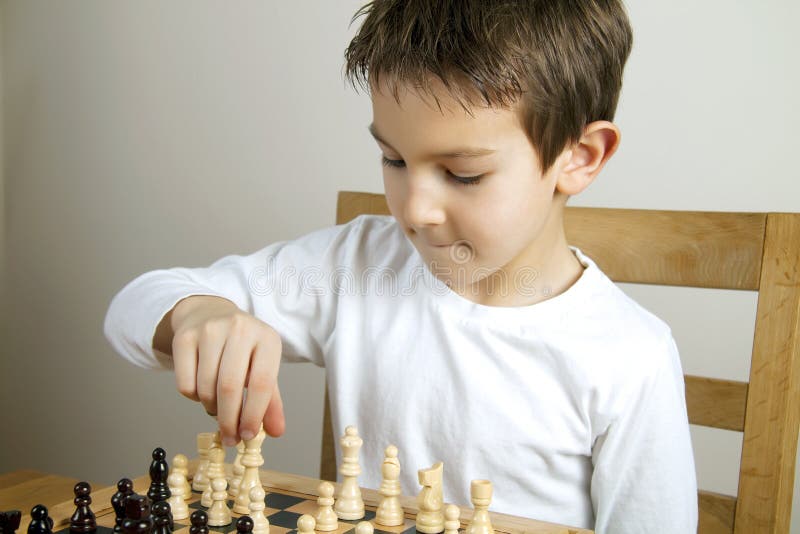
[463, 180]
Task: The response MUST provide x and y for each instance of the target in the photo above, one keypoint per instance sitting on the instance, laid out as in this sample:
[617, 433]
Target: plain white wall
[149, 134]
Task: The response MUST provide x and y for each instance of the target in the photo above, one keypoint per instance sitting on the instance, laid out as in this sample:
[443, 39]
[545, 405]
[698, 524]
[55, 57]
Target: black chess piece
[83, 520]
[9, 521]
[124, 488]
[199, 521]
[244, 525]
[40, 521]
[162, 522]
[159, 471]
[137, 515]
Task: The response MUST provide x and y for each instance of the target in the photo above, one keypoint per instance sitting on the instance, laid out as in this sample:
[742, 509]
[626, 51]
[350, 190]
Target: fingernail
[229, 441]
[247, 434]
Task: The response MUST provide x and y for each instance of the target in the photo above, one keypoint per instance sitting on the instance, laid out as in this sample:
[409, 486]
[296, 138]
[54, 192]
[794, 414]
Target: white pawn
[480, 492]
[451, 521]
[216, 469]
[251, 461]
[180, 464]
[238, 471]
[257, 505]
[305, 524]
[177, 501]
[365, 527]
[350, 505]
[390, 512]
[219, 514]
[326, 518]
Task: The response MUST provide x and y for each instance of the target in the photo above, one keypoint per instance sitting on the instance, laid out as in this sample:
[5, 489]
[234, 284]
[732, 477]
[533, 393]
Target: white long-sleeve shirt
[573, 407]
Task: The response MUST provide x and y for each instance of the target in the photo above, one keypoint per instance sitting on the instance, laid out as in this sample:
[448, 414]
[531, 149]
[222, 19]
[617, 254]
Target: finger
[274, 420]
[261, 384]
[209, 352]
[230, 386]
[184, 358]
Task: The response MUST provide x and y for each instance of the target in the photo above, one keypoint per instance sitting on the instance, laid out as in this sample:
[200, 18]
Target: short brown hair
[560, 60]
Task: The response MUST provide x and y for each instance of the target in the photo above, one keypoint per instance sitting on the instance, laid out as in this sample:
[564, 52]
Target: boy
[464, 328]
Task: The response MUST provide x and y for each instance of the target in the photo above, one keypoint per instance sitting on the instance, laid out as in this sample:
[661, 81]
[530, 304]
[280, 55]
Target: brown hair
[560, 60]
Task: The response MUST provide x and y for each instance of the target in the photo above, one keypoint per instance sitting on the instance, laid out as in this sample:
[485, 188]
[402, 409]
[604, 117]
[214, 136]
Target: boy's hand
[218, 350]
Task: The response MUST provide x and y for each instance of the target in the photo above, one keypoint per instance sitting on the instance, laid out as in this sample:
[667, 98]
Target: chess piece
[251, 460]
[180, 464]
[216, 469]
[137, 515]
[177, 502]
[326, 517]
[83, 520]
[430, 518]
[238, 472]
[41, 523]
[257, 505]
[451, 521]
[159, 470]
[199, 522]
[481, 496]
[124, 488]
[365, 527]
[306, 524]
[219, 514]
[350, 505]
[162, 520]
[390, 512]
[244, 525]
[204, 441]
[9, 521]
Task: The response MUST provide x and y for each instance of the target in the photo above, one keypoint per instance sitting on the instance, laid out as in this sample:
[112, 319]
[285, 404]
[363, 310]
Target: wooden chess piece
[390, 512]
[177, 502]
[199, 522]
[180, 465]
[159, 471]
[430, 518]
[350, 505]
[306, 524]
[200, 480]
[365, 527]
[451, 519]
[137, 515]
[257, 505]
[41, 523]
[9, 521]
[124, 488]
[326, 517]
[244, 525]
[162, 518]
[219, 514]
[481, 496]
[83, 520]
[216, 469]
[251, 461]
[238, 473]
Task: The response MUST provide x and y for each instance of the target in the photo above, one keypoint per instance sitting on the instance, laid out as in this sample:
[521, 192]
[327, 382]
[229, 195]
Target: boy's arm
[644, 478]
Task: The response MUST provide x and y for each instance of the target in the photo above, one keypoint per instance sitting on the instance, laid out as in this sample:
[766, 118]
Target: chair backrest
[748, 251]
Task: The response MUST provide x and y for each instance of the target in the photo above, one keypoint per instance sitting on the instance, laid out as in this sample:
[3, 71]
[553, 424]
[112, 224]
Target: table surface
[23, 489]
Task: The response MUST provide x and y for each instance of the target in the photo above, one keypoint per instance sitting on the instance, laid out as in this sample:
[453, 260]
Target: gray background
[148, 134]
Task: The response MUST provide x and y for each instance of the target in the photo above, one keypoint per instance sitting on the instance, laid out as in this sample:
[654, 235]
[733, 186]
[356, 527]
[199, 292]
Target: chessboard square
[284, 519]
[407, 525]
[100, 530]
[304, 507]
[224, 529]
[369, 515]
[280, 530]
[281, 501]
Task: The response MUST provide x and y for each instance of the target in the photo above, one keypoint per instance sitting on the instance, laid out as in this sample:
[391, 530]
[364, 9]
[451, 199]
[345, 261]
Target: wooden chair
[749, 251]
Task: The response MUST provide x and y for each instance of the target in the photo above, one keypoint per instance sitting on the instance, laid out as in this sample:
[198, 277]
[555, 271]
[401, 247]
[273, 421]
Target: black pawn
[9, 521]
[82, 521]
[244, 525]
[124, 488]
[199, 521]
[162, 522]
[137, 515]
[159, 471]
[40, 521]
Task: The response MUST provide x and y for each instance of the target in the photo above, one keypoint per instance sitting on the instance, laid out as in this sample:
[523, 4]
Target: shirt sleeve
[285, 284]
[644, 477]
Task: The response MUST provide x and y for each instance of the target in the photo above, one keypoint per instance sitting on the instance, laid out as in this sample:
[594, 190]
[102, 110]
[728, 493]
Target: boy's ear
[588, 156]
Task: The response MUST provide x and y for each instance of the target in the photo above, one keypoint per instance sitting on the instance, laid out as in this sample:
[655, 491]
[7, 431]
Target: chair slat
[676, 248]
[351, 204]
[716, 403]
[716, 513]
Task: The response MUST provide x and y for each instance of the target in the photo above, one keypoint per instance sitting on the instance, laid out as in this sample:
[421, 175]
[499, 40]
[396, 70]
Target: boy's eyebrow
[463, 152]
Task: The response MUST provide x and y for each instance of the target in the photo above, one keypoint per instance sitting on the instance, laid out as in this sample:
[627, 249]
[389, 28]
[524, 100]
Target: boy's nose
[423, 207]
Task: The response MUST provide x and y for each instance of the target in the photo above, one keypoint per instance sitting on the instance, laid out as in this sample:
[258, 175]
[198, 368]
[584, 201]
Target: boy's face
[470, 231]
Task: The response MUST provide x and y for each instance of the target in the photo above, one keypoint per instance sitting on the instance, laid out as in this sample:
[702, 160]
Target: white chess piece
[177, 501]
[238, 471]
[365, 527]
[216, 469]
[350, 505]
[257, 505]
[430, 518]
[390, 512]
[305, 524]
[480, 492]
[219, 514]
[200, 480]
[326, 517]
[251, 461]
[451, 521]
[180, 464]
